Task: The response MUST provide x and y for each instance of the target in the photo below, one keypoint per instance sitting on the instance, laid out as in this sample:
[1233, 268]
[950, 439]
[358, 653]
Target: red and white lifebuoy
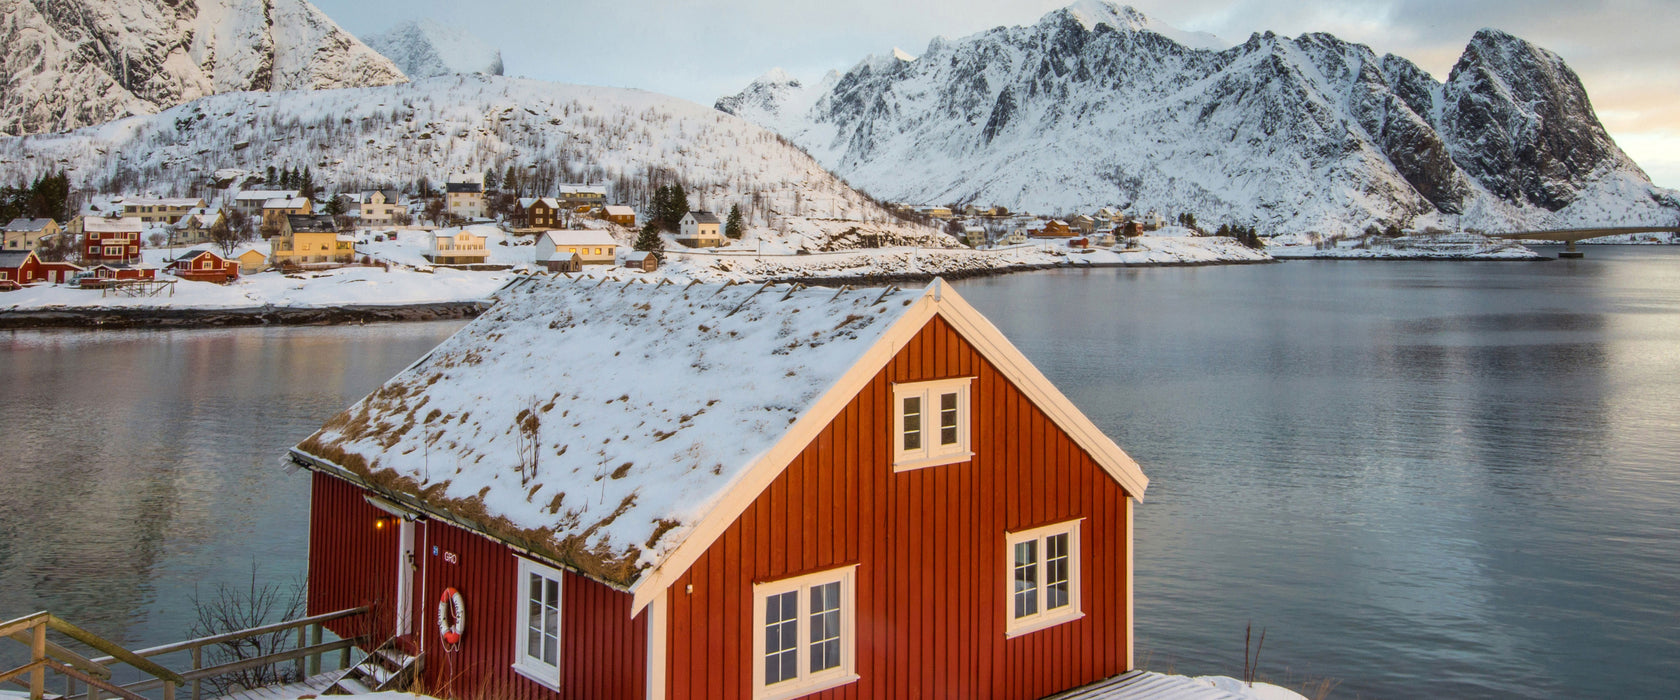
[451, 630]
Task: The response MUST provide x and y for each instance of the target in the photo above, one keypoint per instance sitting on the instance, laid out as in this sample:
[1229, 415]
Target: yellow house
[465, 199]
[460, 248]
[26, 234]
[310, 239]
[164, 210]
[251, 259]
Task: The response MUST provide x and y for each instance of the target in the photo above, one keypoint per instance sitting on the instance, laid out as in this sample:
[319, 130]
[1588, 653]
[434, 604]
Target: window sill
[1040, 624]
[939, 461]
[806, 689]
[537, 677]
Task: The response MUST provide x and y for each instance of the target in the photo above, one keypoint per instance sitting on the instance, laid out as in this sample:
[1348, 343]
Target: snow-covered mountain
[1098, 105]
[424, 48]
[630, 140]
[70, 63]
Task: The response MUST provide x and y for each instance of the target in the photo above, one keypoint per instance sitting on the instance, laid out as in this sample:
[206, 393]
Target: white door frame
[405, 576]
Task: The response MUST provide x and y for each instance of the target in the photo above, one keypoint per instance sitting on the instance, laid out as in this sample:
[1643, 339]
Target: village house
[583, 197]
[1103, 237]
[975, 236]
[619, 214]
[556, 248]
[197, 227]
[100, 273]
[641, 260]
[460, 248]
[1054, 228]
[20, 267]
[378, 207]
[107, 239]
[303, 240]
[1014, 237]
[252, 202]
[700, 229]
[1082, 224]
[204, 266]
[276, 210]
[26, 234]
[252, 259]
[160, 210]
[541, 213]
[940, 213]
[465, 198]
[901, 505]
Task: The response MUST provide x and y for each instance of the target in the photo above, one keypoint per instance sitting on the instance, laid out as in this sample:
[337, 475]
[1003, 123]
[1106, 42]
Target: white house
[700, 229]
[460, 248]
[592, 246]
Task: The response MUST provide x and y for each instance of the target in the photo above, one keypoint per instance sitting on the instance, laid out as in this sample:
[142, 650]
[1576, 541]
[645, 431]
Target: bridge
[1571, 235]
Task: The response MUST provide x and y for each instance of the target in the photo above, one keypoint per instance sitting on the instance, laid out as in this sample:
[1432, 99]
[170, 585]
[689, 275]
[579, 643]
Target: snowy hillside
[71, 63]
[1098, 105]
[424, 49]
[629, 140]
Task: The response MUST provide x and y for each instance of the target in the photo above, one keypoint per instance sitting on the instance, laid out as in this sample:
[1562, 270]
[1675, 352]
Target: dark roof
[463, 187]
[191, 254]
[705, 217]
[317, 223]
[13, 258]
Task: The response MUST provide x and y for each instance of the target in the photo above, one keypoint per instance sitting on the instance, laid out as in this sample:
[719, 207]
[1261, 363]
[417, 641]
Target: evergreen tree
[734, 227]
[677, 207]
[270, 179]
[511, 180]
[659, 207]
[492, 181]
[306, 184]
[335, 206]
[649, 240]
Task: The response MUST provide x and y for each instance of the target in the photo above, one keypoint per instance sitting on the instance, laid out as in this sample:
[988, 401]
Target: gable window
[1043, 578]
[804, 637]
[537, 636]
[930, 423]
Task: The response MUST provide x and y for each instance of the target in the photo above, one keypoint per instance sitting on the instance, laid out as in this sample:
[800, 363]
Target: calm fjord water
[1422, 479]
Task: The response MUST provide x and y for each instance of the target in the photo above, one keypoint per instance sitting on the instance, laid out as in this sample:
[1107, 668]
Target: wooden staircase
[92, 679]
[385, 668]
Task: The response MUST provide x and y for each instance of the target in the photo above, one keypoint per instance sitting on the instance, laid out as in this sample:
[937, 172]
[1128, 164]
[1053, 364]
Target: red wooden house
[728, 492]
[21, 267]
[204, 266]
[109, 240]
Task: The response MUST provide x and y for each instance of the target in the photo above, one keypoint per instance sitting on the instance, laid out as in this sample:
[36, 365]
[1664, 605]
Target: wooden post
[302, 637]
[38, 653]
[168, 690]
[314, 641]
[198, 663]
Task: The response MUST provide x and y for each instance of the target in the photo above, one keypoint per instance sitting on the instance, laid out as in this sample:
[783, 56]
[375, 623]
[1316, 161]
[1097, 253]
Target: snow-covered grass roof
[637, 406]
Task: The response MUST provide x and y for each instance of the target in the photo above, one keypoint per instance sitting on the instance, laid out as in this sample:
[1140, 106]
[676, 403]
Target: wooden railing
[95, 673]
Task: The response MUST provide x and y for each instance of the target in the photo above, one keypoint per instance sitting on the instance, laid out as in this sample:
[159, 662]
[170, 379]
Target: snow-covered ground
[412, 280]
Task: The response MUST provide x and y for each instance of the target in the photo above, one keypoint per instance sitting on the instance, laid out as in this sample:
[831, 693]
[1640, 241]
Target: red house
[659, 491]
[109, 240]
[204, 266]
[103, 272]
[21, 267]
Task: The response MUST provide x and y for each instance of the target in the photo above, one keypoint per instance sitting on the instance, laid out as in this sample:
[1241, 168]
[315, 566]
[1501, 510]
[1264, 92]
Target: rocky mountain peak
[425, 48]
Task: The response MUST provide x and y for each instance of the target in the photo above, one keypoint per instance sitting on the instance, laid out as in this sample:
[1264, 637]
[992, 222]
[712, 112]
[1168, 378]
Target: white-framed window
[804, 634]
[537, 631]
[931, 423]
[1042, 578]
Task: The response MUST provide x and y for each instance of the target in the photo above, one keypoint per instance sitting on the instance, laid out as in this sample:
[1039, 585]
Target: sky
[1627, 52]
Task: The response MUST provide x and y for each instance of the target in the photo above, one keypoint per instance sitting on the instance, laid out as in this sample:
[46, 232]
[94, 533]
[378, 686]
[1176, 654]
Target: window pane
[781, 637]
[1026, 578]
[551, 635]
[825, 626]
[533, 618]
[948, 419]
[913, 423]
[1056, 558]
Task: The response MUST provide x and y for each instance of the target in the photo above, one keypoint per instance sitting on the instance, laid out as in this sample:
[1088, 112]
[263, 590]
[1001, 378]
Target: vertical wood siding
[603, 650]
[929, 545]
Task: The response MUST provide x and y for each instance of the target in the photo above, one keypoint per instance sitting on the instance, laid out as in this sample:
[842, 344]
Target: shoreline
[177, 318]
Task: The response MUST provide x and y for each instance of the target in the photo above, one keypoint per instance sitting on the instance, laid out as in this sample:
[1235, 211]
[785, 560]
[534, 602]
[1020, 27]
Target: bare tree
[235, 608]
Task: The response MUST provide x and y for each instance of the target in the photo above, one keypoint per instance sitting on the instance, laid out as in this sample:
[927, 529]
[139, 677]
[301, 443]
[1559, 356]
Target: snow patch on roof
[639, 406]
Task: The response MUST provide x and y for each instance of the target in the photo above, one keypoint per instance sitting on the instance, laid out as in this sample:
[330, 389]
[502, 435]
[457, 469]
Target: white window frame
[524, 664]
[806, 682]
[1017, 626]
[932, 454]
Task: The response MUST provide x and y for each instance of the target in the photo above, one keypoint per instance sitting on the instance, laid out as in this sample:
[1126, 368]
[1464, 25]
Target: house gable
[927, 544]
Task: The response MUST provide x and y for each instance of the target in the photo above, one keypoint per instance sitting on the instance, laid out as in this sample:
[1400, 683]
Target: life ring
[452, 602]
